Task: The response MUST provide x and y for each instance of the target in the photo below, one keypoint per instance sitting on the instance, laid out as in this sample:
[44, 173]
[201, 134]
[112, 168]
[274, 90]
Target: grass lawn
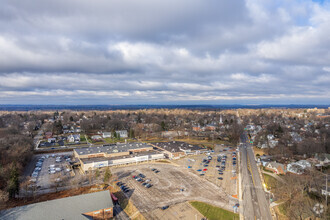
[213, 212]
[270, 181]
[115, 140]
[82, 138]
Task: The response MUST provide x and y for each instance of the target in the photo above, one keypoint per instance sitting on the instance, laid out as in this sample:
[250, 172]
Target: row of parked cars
[141, 178]
[205, 164]
[123, 187]
[37, 169]
[221, 167]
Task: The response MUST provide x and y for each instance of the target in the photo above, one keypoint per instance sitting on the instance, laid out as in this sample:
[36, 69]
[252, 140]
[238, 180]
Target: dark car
[153, 169]
[143, 184]
[165, 207]
[220, 178]
[157, 171]
[141, 175]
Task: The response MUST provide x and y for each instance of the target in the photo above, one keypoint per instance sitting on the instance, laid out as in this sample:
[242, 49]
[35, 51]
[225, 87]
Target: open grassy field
[213, 212]
[269, 181]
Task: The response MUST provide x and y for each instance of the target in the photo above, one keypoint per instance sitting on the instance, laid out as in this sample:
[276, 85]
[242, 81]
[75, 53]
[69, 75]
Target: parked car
[165, 207]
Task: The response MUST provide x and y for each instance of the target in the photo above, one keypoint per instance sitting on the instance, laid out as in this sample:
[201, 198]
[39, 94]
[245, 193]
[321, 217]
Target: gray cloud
[108, 52]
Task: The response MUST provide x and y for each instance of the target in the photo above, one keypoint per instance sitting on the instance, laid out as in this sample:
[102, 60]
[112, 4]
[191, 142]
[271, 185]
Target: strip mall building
[119, 154]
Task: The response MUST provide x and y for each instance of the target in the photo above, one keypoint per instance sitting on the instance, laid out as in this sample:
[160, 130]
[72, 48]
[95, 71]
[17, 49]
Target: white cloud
[123, 51]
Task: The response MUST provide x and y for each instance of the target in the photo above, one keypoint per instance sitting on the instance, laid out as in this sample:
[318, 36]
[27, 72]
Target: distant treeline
[137, 107]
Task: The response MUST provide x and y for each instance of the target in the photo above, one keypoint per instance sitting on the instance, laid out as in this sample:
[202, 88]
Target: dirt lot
[167, 185]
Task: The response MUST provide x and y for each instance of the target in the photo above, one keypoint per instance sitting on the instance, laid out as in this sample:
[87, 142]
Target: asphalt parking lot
[172, 185]
[229, 178]
[181, 211]
[45, 180]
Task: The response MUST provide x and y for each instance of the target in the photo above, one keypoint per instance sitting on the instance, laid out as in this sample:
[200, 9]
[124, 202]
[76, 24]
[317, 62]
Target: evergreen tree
[107, 175]
[13, 184]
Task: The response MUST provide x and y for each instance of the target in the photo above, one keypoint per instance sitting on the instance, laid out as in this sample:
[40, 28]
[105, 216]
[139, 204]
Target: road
[255, 205]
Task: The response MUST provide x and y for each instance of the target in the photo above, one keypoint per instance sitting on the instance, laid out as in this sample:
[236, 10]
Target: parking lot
[220, 170]
[181, 211]
[49, 169]
[171, 185]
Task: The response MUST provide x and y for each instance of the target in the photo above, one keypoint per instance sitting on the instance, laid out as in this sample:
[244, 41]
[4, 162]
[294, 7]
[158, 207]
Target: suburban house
[298, 167]
[272, 143]
[275, 167]
[324, 159]
[96, 205]
[96, 137]
[73, 138]
[51, 140]
[106, 134]
[48, 135]
[210, 127]
[122, 133]
[197, 128]
[325, 191]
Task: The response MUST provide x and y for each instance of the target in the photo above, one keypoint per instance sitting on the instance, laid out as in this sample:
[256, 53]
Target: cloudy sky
[165, 52]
